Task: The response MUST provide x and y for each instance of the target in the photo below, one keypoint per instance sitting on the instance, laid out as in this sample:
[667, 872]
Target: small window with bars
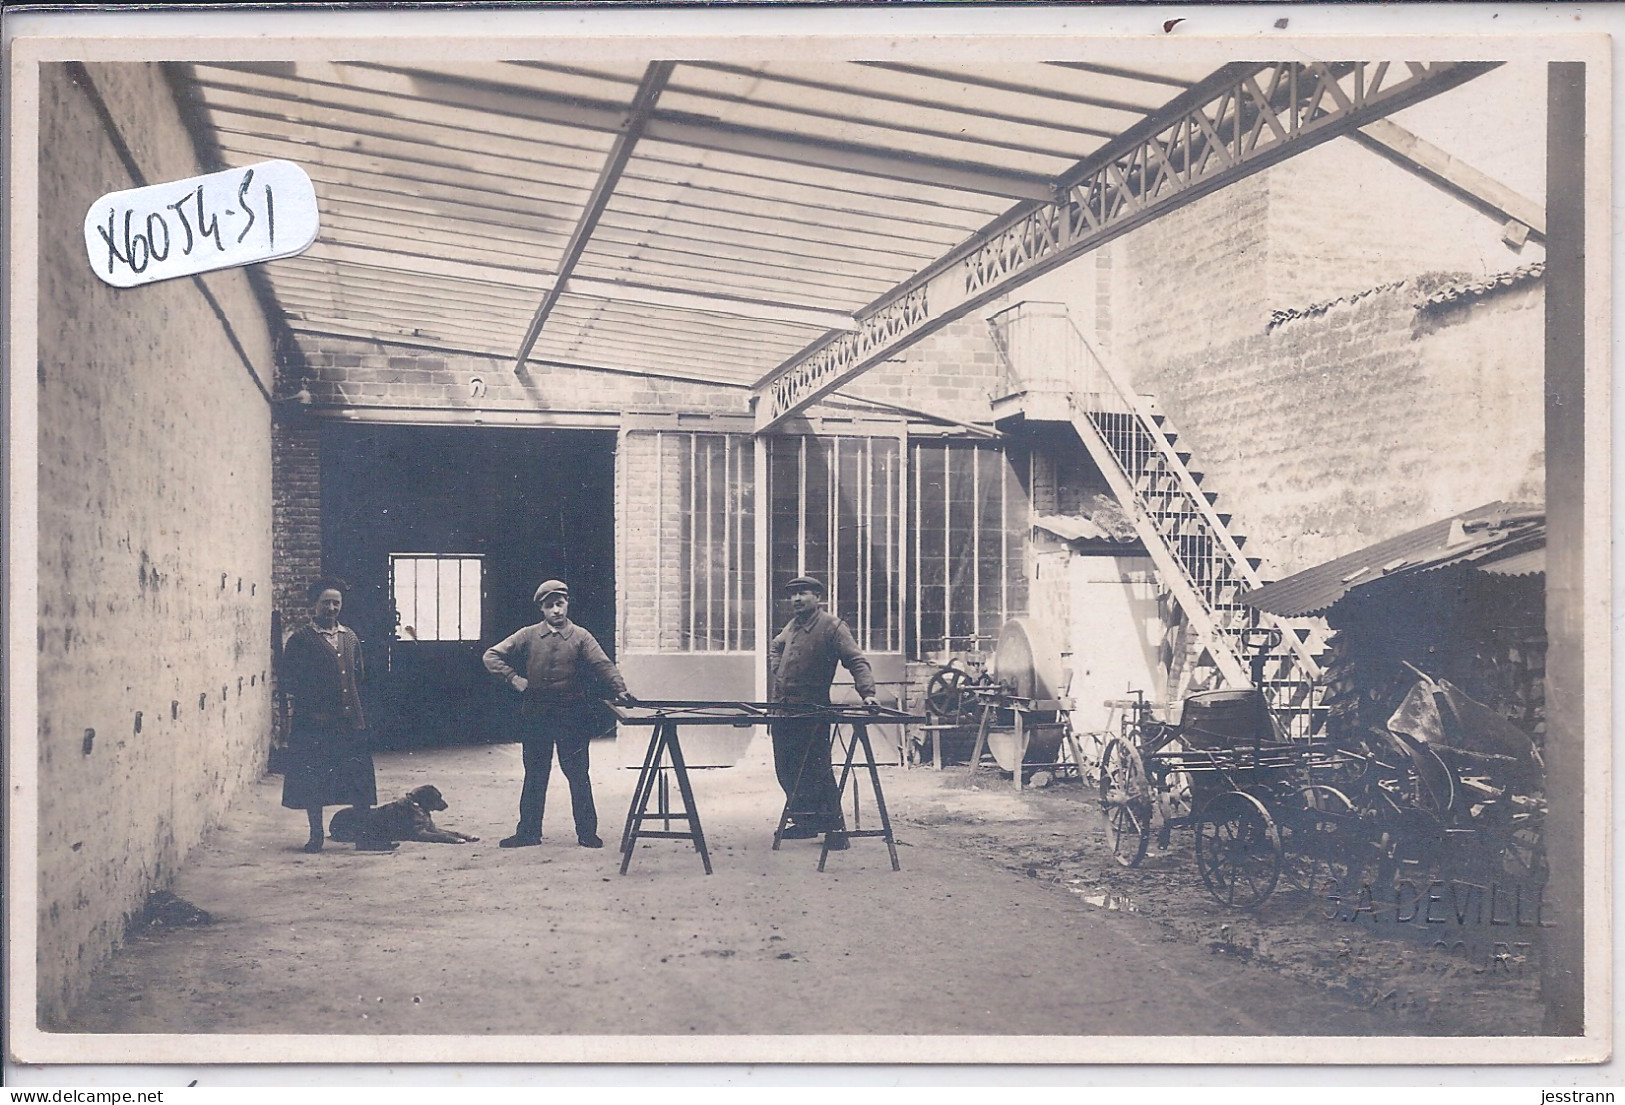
[436, 596]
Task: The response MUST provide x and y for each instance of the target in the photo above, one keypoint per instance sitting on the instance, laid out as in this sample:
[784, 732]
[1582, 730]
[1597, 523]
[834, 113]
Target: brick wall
[649, 535]
[1343, 426]
[296, 514]
[352, 373]
[1338, 430]
[952, 373]
[1192, 279]
[1049, 590]
[1333, 221]
[1342, 219]
[154, 565]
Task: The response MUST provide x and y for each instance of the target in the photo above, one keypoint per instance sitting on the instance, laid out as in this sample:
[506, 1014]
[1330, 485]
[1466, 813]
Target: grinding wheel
[1028, 664]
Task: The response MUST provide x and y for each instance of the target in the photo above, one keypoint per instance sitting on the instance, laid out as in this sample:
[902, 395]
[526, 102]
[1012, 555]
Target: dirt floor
[1008, 916]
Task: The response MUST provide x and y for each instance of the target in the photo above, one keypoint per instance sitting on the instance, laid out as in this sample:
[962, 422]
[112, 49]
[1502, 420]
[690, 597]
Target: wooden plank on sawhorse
[653, 783]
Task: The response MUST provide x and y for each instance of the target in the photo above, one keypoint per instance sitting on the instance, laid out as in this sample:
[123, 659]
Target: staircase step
[1181, 512]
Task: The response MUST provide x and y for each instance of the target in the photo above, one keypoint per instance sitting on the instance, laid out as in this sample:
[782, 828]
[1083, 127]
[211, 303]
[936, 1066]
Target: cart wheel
[1125, 798]
[1238, 850]
[945, 695]
[1084, 750]
[1314, 834]
[1177, 791]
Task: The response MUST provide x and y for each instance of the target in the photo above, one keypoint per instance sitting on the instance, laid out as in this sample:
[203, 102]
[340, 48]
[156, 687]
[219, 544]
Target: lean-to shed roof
[1500, 537]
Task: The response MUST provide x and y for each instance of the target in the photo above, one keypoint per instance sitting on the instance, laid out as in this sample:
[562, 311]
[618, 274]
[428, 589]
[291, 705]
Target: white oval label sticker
[235, 217]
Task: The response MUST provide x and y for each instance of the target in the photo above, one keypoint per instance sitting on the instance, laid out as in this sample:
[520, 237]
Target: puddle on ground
[1102, 899]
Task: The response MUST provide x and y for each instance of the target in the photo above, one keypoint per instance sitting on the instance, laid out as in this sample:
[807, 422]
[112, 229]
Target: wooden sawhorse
[653, 782]
[860, 735]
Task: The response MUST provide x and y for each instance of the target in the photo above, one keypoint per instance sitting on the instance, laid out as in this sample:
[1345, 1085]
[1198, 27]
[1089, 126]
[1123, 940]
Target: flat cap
[550, 587]
[803, 583]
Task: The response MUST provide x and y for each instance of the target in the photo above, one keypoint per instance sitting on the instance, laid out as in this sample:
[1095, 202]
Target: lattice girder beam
[1243, 119]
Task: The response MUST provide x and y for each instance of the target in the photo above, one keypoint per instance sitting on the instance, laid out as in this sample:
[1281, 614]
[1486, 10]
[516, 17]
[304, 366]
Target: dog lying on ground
[406, 818]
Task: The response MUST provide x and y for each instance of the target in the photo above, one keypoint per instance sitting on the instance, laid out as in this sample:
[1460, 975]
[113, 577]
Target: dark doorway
[505, 508]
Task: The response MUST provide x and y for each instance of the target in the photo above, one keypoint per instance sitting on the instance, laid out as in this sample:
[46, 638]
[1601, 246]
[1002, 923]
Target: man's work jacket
[560, 666]
[802, 659]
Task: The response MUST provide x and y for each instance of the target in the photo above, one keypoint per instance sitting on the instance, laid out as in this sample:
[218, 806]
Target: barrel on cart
[1257, 801]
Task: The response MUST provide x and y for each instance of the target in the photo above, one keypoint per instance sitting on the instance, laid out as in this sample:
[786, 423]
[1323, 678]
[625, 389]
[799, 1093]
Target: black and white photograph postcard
[808, 535]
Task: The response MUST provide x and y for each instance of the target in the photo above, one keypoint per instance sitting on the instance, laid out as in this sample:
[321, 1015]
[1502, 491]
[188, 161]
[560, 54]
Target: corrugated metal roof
[1495, 532]
[757, 207]
[1069, 528]
[1530, 562]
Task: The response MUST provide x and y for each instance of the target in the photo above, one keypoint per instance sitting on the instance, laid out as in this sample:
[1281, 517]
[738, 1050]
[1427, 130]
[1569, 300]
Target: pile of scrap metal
[1437, 670]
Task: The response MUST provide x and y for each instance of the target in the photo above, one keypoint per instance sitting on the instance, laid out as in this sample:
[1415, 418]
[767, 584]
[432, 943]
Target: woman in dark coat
[330, 761]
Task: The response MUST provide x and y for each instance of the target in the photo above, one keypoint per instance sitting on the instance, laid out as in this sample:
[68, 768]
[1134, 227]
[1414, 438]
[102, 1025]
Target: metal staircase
[1058, 375]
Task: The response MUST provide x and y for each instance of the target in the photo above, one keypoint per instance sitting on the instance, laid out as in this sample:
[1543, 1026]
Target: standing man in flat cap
[561, 671]
[801, 663]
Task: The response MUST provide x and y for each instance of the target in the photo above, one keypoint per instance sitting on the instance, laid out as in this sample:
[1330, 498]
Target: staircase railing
[1200, 563]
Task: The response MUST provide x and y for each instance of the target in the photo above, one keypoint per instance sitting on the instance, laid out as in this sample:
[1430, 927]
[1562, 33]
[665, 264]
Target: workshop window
[836, 513]
[436, 597]
[969, 515]
[712, 571]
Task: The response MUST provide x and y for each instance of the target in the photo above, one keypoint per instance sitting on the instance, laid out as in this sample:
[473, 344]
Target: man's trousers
[801, 760]
[570, 730]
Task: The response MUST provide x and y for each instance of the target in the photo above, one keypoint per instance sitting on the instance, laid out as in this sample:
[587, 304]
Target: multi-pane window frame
[952, 522]
[845, 493]
[466, 618]
[714, 572]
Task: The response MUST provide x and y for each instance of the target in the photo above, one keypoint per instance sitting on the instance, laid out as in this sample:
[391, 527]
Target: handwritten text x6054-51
[235, 217]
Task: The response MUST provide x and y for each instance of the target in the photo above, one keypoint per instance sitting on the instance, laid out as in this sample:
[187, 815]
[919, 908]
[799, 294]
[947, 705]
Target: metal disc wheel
[1125, 798]
[1238, 850]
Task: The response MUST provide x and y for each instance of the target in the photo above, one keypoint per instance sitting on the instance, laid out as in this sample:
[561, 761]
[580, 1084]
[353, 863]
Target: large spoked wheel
[947, 694]
[1085, 751]
[1238, 850]
[1315, 836]
[1175, 793]
[1125, 798]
